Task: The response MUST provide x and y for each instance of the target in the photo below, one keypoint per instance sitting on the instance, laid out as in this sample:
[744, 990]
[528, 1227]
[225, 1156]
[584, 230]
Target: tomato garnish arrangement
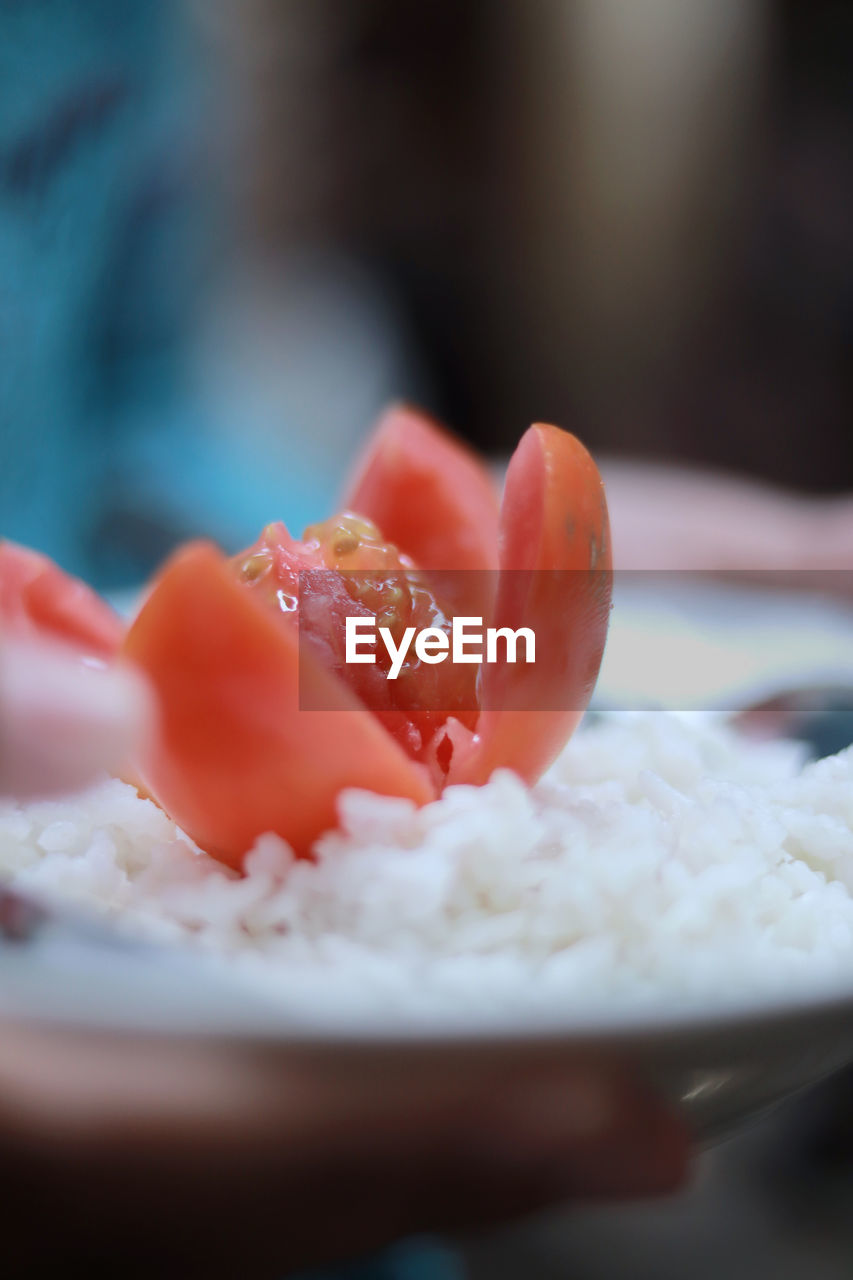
[263, 723]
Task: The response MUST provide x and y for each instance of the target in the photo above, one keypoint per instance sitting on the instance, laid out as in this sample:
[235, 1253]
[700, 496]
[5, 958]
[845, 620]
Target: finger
[62, 722]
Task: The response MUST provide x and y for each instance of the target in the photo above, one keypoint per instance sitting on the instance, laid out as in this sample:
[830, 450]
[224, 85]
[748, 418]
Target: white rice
[660, 858]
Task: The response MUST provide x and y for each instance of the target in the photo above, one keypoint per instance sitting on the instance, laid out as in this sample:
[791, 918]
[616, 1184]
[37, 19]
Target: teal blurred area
[118, 437]
[99, 257]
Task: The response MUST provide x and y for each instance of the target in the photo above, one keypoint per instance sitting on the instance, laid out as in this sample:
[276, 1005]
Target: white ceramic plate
[722, 1066]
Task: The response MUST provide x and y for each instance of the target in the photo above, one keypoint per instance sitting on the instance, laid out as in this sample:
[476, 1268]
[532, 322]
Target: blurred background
[232, 230]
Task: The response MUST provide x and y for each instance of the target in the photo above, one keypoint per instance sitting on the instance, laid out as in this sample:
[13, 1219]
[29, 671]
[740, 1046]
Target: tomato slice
[38, 599]
[556, 578]
[433, 498]
[236, 756]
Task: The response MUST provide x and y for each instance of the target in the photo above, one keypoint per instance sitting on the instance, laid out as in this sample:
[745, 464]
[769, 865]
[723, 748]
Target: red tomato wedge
[433, 498]
[39, 600]
[236, 757]
[556, 578]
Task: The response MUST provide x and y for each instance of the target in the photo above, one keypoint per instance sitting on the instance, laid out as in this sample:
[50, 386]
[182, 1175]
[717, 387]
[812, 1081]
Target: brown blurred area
[627, 216]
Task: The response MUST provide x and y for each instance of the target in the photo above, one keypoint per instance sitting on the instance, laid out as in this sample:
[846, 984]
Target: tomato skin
[39, 600]
[433, 498]
[556, 578]
[236, 756]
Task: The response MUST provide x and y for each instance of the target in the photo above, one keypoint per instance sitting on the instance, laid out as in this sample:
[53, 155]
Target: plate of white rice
[669, 890]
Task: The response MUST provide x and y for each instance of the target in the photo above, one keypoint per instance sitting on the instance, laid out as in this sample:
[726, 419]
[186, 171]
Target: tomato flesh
[344, 567]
